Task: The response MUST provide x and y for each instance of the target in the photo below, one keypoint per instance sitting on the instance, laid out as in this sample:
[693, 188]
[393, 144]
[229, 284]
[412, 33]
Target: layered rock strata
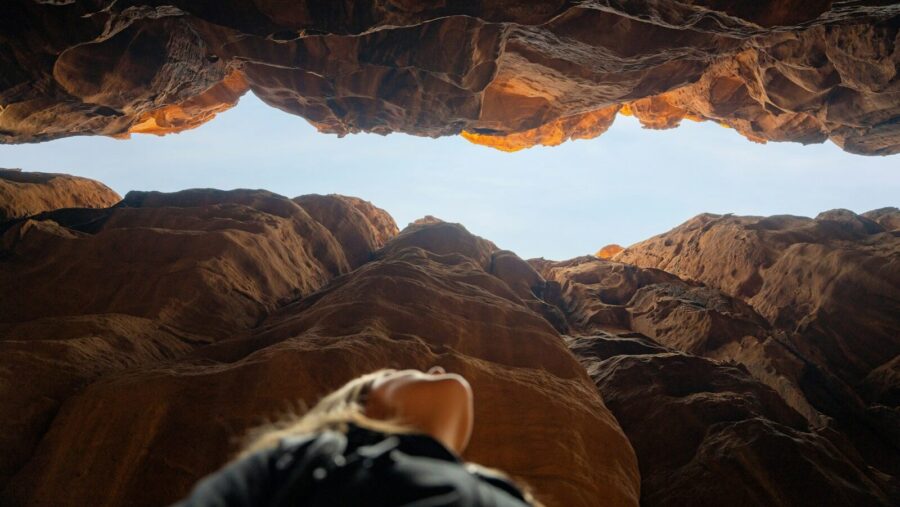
[154, 333]
[508, 74]
[619, 311]
[138, 341]
[828, 285]
[707, 433]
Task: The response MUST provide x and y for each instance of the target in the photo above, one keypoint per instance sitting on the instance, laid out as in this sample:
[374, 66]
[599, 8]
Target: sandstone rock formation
[24, 194]
[507, 74]
[821, 323]
[830, 282]
[609, 251]
[617, 311]
[708, 434]
[137, 341]
[154, 332]
[889, 218]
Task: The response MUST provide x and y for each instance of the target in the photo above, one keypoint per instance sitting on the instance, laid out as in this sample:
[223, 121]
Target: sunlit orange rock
[195, 111]
[660, 112]
[609, 251]
[584, 126]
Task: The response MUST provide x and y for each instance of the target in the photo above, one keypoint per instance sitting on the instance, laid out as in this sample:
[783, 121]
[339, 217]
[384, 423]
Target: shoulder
[243, 482]
[256, 479]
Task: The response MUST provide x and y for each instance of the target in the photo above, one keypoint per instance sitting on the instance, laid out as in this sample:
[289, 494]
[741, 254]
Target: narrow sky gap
[558, 202]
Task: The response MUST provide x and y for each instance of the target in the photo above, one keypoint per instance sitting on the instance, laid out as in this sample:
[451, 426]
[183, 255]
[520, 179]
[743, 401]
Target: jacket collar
[417, 444]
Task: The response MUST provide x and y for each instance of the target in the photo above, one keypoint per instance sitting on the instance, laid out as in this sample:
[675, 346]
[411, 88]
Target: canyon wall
[508, 74]
[139, 341]
[732, 360]
[24, 194]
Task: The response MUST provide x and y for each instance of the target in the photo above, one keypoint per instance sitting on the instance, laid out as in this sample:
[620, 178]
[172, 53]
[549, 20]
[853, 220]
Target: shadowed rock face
[618, 309]
[154, 333]
[137, 341]
[709, 434]
[828, 288]
[91, 292]
[832, 281]
[507, 74]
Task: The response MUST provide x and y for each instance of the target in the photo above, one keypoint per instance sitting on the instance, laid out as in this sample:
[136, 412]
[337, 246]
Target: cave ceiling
[508, 73]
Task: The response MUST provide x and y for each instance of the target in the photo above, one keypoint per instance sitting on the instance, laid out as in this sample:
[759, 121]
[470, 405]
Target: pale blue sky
[559, 202]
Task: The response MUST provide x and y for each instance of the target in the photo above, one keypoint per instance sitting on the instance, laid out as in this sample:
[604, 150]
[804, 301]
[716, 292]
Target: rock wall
[642, 332]
[28, 193]
[154, 333]
[827, 287]
[138, 341]
[507, 74]
[830, 282]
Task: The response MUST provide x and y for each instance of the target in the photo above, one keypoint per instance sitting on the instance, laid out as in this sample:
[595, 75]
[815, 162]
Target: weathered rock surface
[831, 281]
[609, 251]
[507, 74]
[357, 225]
[708, 434]
[153, 333]
[24, 194]
[600, 296]
[89, 292]
[621, 309]
[828, 289]
[889, 217]
[137, 341]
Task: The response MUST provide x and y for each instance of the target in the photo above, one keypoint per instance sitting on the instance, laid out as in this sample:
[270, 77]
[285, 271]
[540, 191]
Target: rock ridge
[732, 360]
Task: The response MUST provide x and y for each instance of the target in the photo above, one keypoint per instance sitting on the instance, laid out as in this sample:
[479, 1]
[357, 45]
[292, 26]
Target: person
[387, 438]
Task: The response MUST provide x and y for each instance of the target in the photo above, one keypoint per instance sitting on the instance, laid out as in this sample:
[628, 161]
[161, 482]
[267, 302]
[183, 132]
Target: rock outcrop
[708, 434]
[609, 251]
[138, 341]
[828, 289]
[508, 74]
[761, 412]
[24, 194]
[153, 333]
[832, 280]
[889, 217]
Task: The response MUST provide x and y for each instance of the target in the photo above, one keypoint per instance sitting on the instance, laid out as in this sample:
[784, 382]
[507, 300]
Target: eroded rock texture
[28, 193]
[730, 361]
[647, 338]
[153, 333]
[830, 282]
[709, 434]
[507, 74]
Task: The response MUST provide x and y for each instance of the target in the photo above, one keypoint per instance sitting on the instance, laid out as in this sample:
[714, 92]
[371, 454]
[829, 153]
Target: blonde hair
[334, 412]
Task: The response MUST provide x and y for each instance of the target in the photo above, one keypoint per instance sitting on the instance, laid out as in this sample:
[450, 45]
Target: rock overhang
[507, 74]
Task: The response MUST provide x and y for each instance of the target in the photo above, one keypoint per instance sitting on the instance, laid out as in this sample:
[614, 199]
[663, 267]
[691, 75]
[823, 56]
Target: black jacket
[361, 468]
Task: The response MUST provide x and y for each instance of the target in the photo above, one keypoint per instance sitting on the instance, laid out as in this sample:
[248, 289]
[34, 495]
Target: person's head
[435, 402]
